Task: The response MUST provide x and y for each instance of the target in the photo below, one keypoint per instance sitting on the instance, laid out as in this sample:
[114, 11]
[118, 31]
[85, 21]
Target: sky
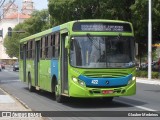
[38, 4]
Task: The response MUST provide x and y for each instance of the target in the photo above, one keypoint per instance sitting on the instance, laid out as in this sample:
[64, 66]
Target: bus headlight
[74, 79]
[129, 82]
[82, 83]
[133, 78]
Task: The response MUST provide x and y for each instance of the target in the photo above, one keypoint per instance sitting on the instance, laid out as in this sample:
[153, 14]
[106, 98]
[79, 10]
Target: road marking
[5, 81]
[140, 107]
[6, 99]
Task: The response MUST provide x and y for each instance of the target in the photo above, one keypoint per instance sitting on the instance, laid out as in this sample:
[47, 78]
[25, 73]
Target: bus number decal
[94, 82]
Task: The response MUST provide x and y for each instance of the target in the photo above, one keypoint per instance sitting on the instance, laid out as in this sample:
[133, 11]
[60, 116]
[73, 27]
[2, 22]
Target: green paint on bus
[98, 62]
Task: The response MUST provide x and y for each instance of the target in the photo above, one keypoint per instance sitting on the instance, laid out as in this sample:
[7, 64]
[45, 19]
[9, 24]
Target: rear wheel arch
[29, 76]
[54, 83]
[30, 87]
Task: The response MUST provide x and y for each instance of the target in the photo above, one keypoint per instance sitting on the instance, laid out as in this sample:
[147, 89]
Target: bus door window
[76, 52]
[72, 52]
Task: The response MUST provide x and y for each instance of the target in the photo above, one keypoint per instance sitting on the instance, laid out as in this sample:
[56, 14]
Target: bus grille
[105, 86]
[102, 74]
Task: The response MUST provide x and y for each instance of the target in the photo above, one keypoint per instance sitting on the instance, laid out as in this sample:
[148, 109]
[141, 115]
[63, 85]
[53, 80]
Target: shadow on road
[90, 102]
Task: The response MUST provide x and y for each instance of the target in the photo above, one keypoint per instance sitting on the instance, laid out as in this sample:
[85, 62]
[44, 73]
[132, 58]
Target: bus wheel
[59, 98]
[30, 87]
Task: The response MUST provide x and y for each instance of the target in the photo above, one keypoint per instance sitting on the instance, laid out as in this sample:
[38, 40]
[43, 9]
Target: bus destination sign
[105, 27]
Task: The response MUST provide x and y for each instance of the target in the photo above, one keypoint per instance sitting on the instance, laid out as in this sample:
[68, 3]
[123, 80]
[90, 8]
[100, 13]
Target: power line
[7, 8]
[2, 3]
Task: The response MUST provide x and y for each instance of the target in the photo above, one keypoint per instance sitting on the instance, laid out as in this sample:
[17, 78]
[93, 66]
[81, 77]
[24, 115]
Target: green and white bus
[83, 59]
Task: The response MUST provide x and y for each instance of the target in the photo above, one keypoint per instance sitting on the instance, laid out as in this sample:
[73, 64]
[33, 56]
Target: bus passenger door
[24, 62]
[36, 61]
[64, 65]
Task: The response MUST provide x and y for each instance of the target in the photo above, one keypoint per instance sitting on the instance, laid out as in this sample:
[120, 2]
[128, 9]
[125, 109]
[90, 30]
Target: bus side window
[27, 54]
[43, 48]
[41, 52]
[53, 45]
[30, 49]
[49, 46]
[33, 49]
[46, 47]
[57, 45]
[21, 52]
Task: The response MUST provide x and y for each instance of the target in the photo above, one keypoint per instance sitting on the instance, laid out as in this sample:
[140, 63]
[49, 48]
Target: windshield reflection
[102, 52]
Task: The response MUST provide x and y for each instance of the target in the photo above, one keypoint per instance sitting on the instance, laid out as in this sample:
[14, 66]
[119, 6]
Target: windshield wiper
[93, 41]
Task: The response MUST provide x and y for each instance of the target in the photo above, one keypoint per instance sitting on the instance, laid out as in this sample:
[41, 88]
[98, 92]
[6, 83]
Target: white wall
[4, 24]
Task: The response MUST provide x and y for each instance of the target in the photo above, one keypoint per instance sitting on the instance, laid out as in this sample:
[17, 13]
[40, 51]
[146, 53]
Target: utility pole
[18, 16]
[150, 41]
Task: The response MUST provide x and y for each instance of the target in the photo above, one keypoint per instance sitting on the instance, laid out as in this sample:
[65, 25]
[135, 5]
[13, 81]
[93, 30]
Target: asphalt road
[146, 99]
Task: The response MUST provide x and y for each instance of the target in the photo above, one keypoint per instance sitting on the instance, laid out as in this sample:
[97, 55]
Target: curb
[17, 100]
[147, 81]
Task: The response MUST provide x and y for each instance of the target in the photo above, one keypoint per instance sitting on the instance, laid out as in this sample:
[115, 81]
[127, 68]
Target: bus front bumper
[87, 92]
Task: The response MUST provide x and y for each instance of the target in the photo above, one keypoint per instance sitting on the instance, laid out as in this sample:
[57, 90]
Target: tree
[140, 23]
[67, 10]
[135, 11]
[38, 22]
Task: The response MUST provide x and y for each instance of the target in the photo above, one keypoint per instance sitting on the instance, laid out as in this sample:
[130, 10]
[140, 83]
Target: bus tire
[59, 98]
[30, 87]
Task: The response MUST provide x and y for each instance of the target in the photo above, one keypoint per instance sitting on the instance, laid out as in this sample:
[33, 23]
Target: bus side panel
[54, 68]
[44, 75]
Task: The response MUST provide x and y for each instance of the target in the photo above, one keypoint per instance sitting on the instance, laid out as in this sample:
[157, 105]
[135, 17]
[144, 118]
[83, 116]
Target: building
[27, 7]
[10, 18]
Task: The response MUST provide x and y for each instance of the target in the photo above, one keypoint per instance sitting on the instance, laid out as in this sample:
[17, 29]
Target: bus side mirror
[136, 46]
[67, 42]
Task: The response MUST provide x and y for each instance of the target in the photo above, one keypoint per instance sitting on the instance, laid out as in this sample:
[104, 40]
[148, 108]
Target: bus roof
[66, 25]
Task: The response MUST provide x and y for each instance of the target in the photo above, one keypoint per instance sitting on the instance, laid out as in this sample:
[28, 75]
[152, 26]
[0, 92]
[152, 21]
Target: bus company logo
[107, 82]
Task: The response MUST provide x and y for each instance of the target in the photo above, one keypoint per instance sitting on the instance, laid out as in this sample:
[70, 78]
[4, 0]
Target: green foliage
[155, 75]
[144, 74]
[67, 10]
[61, 11]
[135, 11]
[140, 22]
[37, 23]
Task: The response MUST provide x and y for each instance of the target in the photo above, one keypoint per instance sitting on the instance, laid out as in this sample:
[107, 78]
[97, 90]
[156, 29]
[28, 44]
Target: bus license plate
[107, 91]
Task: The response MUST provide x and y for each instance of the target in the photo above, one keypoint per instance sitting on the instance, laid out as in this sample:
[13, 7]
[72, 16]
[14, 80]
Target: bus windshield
[102, 52]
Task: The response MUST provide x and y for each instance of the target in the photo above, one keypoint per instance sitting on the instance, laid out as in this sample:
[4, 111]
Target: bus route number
[94, 82]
